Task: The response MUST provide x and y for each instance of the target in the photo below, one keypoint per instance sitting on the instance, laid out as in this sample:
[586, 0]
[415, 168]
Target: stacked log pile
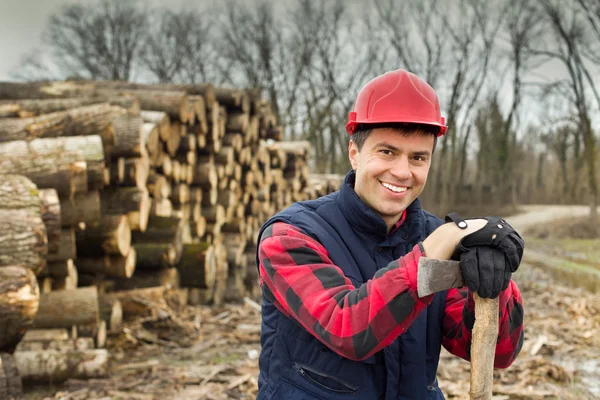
[142, 188]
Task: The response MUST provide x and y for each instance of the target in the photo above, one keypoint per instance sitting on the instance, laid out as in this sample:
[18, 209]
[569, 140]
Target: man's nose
[401, 168]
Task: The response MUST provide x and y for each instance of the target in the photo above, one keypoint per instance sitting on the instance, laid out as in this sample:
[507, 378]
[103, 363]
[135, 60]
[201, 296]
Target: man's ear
[353, 154]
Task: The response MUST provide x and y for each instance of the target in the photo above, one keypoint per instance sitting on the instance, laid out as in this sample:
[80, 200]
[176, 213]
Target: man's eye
[419, 158]
[386, 152]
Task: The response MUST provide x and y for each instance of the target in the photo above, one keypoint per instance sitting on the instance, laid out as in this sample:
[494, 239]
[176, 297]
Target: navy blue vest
[294, 365]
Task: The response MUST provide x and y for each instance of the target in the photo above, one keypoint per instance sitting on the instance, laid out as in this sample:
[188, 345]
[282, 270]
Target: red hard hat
[397, 97]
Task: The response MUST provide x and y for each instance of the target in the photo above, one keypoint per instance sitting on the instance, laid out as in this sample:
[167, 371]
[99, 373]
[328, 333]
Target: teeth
[394, 188]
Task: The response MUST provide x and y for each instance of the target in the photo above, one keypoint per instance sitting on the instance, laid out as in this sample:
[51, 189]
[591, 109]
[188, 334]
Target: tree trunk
[51, 215]
[82, 343]
[197, 267]
[65, 171]
[115, 266]
[168, 277]
[67, 249]
[83, 207]
[33, 107]
[67, 308]
[10, 380]
[82, 121]
[58, 366]
[111, 311]
[19, 301]
[141, 302]
[128, 137]
[111, 236]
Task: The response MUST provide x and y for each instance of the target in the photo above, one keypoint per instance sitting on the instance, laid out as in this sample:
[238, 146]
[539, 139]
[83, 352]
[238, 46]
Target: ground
[211, 352]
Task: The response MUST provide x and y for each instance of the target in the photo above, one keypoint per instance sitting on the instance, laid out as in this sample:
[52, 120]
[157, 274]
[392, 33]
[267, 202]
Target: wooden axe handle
[483, 347]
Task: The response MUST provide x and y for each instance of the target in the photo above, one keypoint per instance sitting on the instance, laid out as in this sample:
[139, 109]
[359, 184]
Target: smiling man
[341, 318]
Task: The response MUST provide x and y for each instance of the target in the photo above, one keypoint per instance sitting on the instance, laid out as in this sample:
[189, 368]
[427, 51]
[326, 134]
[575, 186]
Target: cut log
[96, 331]
[33, 107]
[67, 308]
[90, 148]
[221, 274]
[238, 122]
[19, 301]
[111, 311]
[128, 137]
[58, 268]
[141, 302]
[168, 277]
[58, 366]
[174, 103]
[161, 119]
[205, 175]
[161, 208]
[111, 236]
[134, 172]
[23, 239]
[51, 215]
[174, 139]
[180, 194]
[82, 343]
[83, 207]
[65, 282]
[197, 267]
[11, 386]
[214, 214]
[45, 335]
[65, 171]
[110, 266]
[82, 121]
[158, 186]
[133, 201]
[234, 99]
[156, 255]
[150, 136]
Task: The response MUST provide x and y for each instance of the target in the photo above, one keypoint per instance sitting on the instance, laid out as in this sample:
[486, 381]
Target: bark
[82, 121]
[161, 119]
[141, 302]
[168, 277]
[51, 215]
[58, 366]
[83, 207]
[197, 267]
[64, 171]
[67, 249]
[62, 345]
[150, 137]
[156, 255]
[33, 107]
[19, 301]
[128, 136]
[110, 266]
[133, 201]
[111, 236]
[111, 311]
[10, 380]
[67, 308]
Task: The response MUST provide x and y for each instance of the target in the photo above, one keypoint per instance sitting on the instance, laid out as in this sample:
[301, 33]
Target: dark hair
[363, 131]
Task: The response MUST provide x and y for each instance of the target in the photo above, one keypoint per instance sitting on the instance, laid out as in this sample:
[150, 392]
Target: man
[341, 318]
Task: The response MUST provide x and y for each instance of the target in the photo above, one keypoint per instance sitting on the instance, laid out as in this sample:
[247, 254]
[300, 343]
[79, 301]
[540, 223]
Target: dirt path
[539, 214]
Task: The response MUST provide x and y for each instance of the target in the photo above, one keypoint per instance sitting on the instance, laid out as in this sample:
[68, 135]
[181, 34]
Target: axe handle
[483, 347]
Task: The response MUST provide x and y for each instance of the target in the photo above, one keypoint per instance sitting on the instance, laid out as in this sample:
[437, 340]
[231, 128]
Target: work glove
[489, 256]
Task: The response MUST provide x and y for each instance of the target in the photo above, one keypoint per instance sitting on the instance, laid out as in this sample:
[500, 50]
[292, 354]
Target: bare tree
[566, 45]
[180, 48]
[99, 41]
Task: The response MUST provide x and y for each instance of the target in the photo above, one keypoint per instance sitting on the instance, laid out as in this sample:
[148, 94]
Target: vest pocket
[324, 381]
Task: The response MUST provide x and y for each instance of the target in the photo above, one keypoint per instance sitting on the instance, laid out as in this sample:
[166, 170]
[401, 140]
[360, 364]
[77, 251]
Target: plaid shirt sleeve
[298, 276]
[460, 317]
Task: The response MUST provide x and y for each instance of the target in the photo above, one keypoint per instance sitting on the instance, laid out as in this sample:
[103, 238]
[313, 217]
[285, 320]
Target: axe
[437, 275]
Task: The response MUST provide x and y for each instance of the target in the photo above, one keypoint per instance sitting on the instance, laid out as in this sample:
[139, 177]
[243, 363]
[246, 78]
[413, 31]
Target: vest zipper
[303, 368]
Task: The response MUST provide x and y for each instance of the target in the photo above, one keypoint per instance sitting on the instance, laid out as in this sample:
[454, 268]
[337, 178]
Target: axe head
[437, 275]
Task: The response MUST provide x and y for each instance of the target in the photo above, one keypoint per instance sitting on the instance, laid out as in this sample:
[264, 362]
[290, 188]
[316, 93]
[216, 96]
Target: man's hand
[489, 250]
[489, 256]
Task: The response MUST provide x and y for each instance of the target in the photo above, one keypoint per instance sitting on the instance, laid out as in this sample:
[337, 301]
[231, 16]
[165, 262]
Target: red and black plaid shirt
[298, 276]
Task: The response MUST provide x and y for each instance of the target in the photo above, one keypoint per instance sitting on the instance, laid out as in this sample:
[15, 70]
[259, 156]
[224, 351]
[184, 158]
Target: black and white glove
[489, 256]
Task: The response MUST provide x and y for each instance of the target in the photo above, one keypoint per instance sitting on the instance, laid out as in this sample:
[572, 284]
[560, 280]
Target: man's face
[391, 170]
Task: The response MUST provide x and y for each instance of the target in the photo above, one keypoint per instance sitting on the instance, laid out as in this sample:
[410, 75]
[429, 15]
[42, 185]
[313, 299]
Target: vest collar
[364, 219]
